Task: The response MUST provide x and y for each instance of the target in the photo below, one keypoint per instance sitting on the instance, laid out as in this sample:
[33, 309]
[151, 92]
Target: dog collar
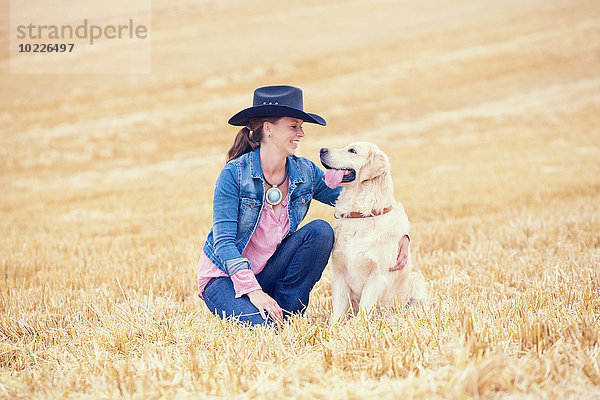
[355, 214]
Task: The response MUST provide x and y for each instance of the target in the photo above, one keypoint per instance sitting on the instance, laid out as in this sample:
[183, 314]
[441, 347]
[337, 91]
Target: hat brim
[273, 110]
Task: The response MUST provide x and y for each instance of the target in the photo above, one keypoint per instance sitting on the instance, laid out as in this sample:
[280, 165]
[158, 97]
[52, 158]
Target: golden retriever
[368, 227]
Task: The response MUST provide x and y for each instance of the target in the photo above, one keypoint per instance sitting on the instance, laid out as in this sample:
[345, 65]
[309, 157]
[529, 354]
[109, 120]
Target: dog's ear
[377, 164]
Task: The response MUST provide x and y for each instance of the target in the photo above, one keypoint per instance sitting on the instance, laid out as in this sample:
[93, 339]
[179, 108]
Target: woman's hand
[264, 302]
[402, 258]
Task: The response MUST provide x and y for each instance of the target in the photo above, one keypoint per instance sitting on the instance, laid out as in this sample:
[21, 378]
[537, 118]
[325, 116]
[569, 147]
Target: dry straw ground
[490, 112]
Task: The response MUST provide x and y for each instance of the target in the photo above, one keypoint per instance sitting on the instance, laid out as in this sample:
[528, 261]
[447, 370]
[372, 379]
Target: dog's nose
[324, 150]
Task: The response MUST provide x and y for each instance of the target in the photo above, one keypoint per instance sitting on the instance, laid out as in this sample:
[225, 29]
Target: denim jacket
[239, 199]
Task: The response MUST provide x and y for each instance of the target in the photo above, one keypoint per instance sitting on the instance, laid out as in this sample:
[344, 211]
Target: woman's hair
[249, 137]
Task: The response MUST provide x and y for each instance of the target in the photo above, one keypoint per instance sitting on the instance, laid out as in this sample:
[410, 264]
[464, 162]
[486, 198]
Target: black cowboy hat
[276, 101]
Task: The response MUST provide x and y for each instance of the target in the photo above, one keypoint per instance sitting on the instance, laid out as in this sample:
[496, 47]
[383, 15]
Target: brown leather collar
[355, 214]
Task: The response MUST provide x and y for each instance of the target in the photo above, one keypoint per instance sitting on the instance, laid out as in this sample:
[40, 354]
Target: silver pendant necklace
[274, 195]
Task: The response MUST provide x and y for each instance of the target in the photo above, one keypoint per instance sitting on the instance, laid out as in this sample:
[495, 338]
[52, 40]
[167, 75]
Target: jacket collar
[293, 169]
[255, 168]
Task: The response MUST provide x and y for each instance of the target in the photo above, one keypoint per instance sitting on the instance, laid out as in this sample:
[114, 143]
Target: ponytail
[242, 144]
[249, 137]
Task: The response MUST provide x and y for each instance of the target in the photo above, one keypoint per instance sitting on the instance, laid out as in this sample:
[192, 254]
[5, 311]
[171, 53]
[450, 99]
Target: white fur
[365, 248]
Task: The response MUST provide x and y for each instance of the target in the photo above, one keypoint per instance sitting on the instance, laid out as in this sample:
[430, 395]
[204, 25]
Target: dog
[368, 227]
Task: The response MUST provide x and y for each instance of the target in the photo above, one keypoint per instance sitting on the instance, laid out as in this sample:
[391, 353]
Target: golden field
[490, 113]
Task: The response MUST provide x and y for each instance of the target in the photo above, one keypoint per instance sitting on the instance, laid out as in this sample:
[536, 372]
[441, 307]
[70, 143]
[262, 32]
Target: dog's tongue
[333, 177]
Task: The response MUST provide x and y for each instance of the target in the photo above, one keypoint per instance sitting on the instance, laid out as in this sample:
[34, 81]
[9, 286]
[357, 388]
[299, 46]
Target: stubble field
[490, 113]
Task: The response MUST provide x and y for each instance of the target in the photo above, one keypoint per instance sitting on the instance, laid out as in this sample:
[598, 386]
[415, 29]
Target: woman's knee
[219, 297]
[322, 231]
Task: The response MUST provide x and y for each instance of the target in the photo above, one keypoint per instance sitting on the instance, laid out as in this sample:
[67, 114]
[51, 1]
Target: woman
[256, 265]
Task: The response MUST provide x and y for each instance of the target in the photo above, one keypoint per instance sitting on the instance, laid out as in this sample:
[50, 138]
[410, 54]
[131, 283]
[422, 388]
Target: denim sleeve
[225, 220]
[322, 192]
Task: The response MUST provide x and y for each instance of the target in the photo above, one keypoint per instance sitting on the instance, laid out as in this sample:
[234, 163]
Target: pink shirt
[263, 243]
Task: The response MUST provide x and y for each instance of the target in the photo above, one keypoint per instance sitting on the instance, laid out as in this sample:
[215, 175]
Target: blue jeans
[288, 276]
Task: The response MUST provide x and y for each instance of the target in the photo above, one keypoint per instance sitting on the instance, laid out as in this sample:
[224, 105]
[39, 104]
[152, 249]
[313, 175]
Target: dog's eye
[351, 151]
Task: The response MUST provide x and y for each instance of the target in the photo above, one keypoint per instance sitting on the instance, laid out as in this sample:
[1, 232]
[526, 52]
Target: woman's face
[285, 134]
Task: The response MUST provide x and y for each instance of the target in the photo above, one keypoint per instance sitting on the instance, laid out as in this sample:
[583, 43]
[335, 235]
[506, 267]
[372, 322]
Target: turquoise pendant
[274, 196]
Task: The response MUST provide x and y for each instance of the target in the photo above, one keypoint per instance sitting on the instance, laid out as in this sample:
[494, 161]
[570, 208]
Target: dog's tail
[419, 288]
